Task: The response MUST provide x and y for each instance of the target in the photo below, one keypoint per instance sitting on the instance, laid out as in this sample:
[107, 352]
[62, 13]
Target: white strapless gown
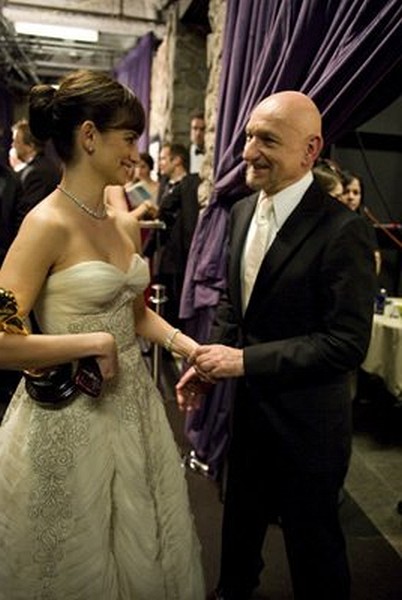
[93, 499]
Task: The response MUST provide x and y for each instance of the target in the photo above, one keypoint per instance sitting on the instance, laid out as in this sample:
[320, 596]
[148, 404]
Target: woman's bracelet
[169, 339]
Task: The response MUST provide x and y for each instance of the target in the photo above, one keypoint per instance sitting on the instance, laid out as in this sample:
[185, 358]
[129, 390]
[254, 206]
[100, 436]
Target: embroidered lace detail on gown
[93, 499]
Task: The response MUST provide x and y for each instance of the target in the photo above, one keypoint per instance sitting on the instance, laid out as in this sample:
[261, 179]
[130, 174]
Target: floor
[375, 475]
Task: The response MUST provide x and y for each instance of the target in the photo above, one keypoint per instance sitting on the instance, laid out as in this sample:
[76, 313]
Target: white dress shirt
[196, 159]
[283, 204]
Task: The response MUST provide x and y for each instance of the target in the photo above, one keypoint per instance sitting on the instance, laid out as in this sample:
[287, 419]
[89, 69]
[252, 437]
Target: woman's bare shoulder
[47, 213]
[45, 223]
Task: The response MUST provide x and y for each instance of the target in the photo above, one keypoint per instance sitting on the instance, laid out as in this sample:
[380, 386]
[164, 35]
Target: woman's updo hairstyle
[40, 119]
[82, 96]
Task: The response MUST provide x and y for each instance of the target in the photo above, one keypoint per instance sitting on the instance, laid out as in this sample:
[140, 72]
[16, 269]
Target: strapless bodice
[91, 296]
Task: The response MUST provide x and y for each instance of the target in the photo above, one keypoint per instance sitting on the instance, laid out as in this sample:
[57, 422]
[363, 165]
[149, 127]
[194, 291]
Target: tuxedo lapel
[299, 226]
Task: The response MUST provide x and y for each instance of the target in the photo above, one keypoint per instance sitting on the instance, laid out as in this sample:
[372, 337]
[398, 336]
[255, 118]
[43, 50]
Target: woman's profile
[93, 498]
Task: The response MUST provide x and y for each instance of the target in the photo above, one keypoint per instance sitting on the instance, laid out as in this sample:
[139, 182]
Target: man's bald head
[283, 140]
[297, 109]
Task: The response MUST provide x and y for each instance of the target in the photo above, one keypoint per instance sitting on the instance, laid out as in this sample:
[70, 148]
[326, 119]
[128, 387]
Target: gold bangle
[169, 339]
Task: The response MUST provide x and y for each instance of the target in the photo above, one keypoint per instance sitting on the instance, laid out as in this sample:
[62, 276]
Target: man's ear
[313, 149]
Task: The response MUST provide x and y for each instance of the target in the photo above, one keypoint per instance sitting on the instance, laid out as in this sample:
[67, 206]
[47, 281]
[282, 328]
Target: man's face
[197, 132]
[22, 150]
[166, 165]
[275, 150]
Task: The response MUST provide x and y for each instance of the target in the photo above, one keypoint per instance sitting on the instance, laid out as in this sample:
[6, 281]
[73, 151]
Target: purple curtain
[134, 70]
[345, 54]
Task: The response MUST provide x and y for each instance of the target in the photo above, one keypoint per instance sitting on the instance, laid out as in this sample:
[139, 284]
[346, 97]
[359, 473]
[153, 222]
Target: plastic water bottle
[380, 301]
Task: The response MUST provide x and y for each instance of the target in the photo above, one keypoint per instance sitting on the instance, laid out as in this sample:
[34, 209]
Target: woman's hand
[191, 390]
[145, 210]
[152, 209]
[106, 354]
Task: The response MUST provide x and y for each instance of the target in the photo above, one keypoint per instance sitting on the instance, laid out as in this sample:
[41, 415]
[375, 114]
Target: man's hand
[217, 361]
[190, 390]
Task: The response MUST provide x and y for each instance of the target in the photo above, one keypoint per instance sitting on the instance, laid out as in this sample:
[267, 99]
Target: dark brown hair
[83, 95]
[327, 174]
[147, 158]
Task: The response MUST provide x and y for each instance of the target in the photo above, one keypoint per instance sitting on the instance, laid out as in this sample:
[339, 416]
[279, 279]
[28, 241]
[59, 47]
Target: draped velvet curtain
[344, 54]
[134, 70]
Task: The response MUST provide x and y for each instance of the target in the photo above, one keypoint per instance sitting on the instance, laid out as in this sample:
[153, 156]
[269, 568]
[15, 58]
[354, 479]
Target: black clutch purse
[57, 387]
[53, 387]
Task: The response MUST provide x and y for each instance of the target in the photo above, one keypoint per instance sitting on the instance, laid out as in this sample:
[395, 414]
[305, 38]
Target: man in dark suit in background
[179, 211]
[173, 166]
[197, 139]
[40, 175]
[9, 193]
[295, 320]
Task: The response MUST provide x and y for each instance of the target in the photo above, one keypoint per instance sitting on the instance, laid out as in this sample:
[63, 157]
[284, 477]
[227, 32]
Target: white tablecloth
[384, 357]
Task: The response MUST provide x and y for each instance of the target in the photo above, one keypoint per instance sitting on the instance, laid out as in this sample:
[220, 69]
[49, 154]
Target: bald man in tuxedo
[295, 320]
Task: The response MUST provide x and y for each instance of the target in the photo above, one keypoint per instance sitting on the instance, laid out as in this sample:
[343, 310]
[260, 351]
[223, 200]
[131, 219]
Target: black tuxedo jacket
[307, 324]
[38, 179]
[10, 191]
[179, 210]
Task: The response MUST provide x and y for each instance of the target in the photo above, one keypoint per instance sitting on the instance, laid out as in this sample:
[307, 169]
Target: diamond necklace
[96, 214]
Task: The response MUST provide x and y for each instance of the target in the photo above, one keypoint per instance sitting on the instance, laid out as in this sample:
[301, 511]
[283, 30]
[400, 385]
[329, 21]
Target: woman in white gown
[93, 499]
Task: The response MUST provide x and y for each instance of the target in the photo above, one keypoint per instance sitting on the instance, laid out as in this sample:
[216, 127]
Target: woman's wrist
[179, 343]
[169, 340]
[97, 343]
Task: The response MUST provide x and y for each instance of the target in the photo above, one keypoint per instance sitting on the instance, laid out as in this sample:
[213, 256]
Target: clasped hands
[209, 363]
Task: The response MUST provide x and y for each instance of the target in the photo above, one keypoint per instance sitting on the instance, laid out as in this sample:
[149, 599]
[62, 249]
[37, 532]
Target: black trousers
[262, 485]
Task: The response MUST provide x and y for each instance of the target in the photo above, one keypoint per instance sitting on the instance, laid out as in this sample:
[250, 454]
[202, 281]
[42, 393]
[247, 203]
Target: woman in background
[93, 499]
[352, 194]
[143, 188]
[353, 197]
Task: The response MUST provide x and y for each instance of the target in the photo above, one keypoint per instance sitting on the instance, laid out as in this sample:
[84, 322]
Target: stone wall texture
[185, 77]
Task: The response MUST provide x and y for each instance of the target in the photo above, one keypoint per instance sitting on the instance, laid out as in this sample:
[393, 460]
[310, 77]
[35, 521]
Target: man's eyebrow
[262, 133]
